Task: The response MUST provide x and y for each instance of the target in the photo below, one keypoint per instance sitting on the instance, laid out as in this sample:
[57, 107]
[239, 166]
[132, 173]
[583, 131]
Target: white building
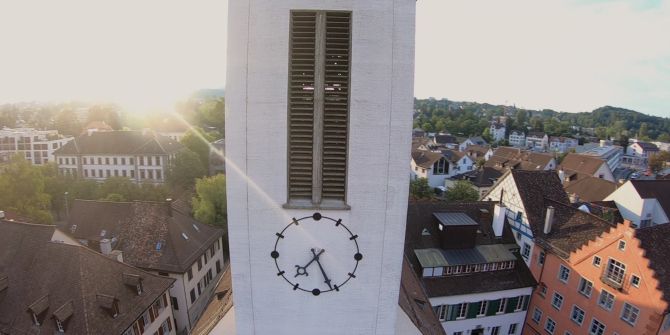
[612, 154]
[139, 156]
[36, 146]
[464, 255]
[562, 144]
[156, 237]
[644, 202]
[537, 141]
[517, 139]
[574, 166]
[437, 166]
[477, 140]
[638, 153]
[497, 130]
[278, 53]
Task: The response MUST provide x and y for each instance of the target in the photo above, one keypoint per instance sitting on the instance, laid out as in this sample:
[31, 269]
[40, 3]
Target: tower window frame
[318, 119]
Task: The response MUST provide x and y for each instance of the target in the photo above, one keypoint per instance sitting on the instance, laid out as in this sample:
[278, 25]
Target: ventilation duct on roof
[549, 219]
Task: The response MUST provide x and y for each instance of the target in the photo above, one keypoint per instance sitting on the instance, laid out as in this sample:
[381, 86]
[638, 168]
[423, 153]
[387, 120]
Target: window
[635, 280]
[597, 328]
[645, 223]
[563, 274]
[614, 273]
[192, 295]
[461, 310]
[537, 315]
[526, 250]
[107, 160]
[630, 313]
[159, 174]
[115, 161]
[59, 326]
[550, 326]
[585, 287]
[190, 274]
[495, 330]
[440, 167]
[175, 303]
[557, 301]
[199, 263]
[540, 258]
[482, 308]
[442, 312]
[543, 290]
[596, 261]
[123, 161]
[577, 315]
[606, 300]
[318, 118]
[622, 245]
[520, 303]
[512, 329]
[502, 306]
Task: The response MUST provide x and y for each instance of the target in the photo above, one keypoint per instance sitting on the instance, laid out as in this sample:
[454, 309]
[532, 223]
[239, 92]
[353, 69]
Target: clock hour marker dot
[358, 256]
[316, 216]
[316, 291]
[274, 254]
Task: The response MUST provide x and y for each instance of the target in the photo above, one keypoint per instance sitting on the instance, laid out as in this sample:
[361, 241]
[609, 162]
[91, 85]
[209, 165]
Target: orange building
[616, 283]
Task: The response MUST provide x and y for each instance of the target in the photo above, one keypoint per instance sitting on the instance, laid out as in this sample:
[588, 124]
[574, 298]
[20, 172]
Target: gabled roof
[647, 146]
[533, 187]
[582, 163]
[452, 155]
[655, 189]
[536, 134]
[485, 177]
[63, 281]
[515, 158]
[477, 150]
[654, 240]
[445, 139]
[151, 235]
[122, 142]
[590, 188]
[477, 140]
[425, 159]
[416, 304]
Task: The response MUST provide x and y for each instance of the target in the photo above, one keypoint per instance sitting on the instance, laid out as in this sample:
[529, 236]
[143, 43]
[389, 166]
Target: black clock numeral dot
[316, 291]
[358, 256]
[281, 273]
[339, 222]
[353, 237]
[274, 254]
[351, 275]
[316, 216]
[279, 235]
[295, 286]
[336, 288]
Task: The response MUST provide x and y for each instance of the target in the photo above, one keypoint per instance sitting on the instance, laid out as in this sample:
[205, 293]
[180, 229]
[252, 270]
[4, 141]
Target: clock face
[316, 254]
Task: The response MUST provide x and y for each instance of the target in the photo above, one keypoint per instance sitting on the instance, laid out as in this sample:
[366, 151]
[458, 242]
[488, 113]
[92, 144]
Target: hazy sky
[566, 55]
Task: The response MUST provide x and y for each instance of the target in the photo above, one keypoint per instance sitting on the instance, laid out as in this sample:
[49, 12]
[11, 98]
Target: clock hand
[316, 257]
[302, 270]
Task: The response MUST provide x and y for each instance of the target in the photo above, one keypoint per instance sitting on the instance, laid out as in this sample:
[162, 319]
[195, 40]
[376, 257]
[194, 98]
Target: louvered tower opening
[336, 104]
[301, 103]
[318, 105]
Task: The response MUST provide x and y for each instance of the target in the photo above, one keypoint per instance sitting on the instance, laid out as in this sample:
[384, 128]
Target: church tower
[319, 101]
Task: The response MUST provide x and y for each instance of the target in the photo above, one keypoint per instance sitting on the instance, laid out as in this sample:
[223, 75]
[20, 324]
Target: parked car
[634, 175]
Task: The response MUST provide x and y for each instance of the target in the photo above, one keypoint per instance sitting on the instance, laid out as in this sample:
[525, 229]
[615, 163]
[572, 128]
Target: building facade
[517, 139]
[36, 146]
[335, 80]
[537, 141]
[562, 144]
[644, 203]
[612, 154]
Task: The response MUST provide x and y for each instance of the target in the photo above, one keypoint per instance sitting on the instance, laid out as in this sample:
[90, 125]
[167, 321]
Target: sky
[567, 55]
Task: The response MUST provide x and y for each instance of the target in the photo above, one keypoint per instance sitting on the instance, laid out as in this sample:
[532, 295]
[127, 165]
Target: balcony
[614, 280]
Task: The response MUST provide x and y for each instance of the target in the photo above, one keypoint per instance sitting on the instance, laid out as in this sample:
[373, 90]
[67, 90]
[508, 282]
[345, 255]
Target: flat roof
[488, 253]
[455, 219]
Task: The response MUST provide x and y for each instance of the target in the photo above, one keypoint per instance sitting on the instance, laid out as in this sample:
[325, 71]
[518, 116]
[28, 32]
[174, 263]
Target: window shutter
[301, 103]
[493, 307]
[511, 304]
[336, 104]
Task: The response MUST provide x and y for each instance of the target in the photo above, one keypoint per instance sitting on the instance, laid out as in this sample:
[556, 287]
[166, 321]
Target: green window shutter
[526, 302]
[473, 309]
[452, 312]
[493, 307]
[511, 304]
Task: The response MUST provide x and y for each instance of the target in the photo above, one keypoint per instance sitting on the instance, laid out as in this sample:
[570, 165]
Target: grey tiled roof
[64, 281]
[122, 142]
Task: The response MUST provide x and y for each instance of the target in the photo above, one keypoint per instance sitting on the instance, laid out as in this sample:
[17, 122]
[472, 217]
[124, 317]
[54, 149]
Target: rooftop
[580, 163]
[121, 142]
[654, 189]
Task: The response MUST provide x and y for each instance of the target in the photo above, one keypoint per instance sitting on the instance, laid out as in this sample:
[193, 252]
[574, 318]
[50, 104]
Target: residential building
[589, 189]
[614, 281]
[643, 202]
[437, 166]
[465, 257]
[517, 139]
[477, 140]
[505, 158]
[51, 287]
[576, 166]
[477, 152]
[442, 140]
[662, 146]
[562, 144]
[498, 130]
[160, 239]
[537, 141]
[481, 179]
[36, 146]
[418, 132]
[641, 149]
[612, 154]
[328, 131]
[141, 156]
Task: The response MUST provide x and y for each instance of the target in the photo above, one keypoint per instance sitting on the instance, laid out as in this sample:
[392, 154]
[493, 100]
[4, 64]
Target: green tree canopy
[22, 186]
[198, 142]
[657, 162]
[462, 191]
[419, 189]
[209, 204]
[185, 168]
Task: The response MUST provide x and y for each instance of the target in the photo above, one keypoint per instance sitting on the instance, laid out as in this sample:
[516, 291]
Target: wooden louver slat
[301, 103]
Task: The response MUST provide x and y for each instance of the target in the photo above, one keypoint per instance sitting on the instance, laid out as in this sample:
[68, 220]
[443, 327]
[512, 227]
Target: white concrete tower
[319, 100]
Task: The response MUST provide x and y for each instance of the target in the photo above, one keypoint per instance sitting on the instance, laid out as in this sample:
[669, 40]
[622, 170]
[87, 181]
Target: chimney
[106, 246]
[549, 219]
[498, 219]
[169, 206]
[603, 143]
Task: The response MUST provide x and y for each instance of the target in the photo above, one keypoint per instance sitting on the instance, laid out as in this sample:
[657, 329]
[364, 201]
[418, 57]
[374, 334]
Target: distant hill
[208, 94]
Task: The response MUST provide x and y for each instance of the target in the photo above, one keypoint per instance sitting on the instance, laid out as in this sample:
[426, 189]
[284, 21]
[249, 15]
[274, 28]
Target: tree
[665, 137]
[22, 186]
[480, 163]
[521, 117]
[462, 191]
[211, 113]
[185, 168]
[66, 122]
[115, 197]
[657, 162]
[644, 131]
[107, 113]
[209, 204]
[419, 188]
[198, 142]
[486, 135]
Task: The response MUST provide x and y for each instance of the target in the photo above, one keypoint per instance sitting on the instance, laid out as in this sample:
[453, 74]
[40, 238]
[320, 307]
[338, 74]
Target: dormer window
[134, 281]
[139, 288]
[59, 326]
[38, 309]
